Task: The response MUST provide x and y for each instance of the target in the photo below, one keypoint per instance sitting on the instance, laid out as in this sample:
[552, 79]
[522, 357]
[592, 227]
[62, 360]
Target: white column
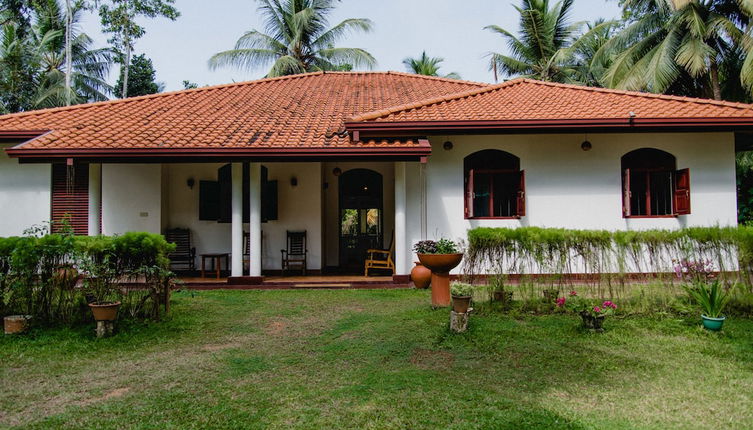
[95, 198]
[254, 225]
[236, 229]
[401, 251]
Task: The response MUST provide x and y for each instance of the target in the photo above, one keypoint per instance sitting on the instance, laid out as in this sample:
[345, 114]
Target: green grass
[375, 360]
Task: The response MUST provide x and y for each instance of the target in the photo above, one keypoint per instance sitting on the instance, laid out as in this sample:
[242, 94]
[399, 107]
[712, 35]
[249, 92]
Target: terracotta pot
[440, 263]
[105, 311]
[440, 266]
[15, 324]
[421, 276]
[460, 304]
[66, 277]
[503, 296]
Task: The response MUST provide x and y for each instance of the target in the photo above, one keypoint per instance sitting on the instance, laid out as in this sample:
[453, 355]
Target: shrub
[461, 289]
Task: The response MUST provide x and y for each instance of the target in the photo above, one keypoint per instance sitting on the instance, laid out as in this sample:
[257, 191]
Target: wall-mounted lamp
[337, 171]
[294, 181]
[190, 182]
[447, 145]
[586, 145]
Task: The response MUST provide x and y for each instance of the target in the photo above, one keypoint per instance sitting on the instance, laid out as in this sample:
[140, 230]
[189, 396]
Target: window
[652, 186]
[70, 197]
[494, 185]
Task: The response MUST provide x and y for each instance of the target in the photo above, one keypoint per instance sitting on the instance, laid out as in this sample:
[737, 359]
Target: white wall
[25, 194]
[332, 204]
[571, 188]
[131, 198]
[299, 208]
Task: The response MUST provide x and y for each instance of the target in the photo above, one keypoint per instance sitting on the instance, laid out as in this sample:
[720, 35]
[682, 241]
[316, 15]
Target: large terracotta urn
[440, 266]
[421, 276]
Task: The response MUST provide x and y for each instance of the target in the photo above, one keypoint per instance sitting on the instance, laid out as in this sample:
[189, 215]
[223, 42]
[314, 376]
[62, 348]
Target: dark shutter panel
[522, 194]
[682, 192]
[269, 201]
[70, 197]
[225, 178]
[626, 193]
[469, 195]
[209, 200]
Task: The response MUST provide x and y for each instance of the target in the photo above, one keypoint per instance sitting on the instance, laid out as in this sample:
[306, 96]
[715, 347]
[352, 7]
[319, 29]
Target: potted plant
[591, 311]
[712, 298]
[440, 257]
[499, 292]
[461, 296]
[99, 267]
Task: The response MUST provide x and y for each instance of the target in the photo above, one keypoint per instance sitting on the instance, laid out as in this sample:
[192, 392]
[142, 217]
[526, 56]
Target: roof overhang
[369, 129]
[354, 152]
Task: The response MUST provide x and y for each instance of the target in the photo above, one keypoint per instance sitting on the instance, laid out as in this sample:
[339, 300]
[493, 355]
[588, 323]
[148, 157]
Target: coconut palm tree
[89, 67]
[675, 46]
[425, 65]
[297, 39]
[545, 30]
[585, 67]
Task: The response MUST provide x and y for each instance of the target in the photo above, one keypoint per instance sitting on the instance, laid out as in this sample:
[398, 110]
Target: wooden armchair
[294, 257]
[184, 253]
[380, 258]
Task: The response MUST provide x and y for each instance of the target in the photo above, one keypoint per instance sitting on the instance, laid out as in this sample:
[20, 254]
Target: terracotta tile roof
[300, 111]
[526, 99]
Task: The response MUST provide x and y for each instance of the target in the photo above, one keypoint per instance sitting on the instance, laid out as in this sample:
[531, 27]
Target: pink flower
[607, 304]
[560, 302]
[573, 293]
[597, 309]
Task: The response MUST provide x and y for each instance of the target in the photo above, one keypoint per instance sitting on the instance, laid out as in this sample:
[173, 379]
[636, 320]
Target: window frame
[469, 199]
[679, 182]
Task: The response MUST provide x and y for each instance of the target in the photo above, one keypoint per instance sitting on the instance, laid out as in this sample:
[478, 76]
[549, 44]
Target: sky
[452, 29]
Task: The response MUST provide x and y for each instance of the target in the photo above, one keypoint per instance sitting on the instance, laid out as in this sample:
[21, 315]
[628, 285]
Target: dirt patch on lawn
[277, 328]
[220, 346]
[432, 360]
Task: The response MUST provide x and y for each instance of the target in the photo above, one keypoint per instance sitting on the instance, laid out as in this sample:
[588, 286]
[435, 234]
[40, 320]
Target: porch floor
[295, 282]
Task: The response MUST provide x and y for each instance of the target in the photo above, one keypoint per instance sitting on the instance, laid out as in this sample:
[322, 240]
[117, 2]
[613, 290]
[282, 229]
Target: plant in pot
[498, 290]
[592, 312]
[705, 290]
[462, 294]
[440, 257]
[98, 264]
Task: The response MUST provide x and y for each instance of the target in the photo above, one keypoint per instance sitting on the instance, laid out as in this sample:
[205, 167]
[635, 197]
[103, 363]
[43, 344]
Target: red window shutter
[70, 197]
[682, 192]
[522, 195]
[626, 193]
[469, 195]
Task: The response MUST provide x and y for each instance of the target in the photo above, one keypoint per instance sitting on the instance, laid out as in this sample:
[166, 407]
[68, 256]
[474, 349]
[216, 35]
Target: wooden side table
[215, 259]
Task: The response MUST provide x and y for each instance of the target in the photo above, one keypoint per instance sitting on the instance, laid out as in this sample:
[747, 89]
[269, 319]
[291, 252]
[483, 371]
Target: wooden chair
[380, 258]
[246, 249]
[295, 255]
[184, 253]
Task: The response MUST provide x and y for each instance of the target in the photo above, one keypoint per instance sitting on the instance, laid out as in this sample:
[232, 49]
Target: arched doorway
[361, 217]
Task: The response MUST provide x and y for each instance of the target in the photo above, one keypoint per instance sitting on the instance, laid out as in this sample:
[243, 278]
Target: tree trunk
[127, 62]
[716, 88]
[68, 51]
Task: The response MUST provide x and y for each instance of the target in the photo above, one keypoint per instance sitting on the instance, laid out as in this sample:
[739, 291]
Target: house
[357, 158]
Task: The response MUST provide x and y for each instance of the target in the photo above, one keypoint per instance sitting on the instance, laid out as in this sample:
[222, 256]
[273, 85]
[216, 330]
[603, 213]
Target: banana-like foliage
[296, 39]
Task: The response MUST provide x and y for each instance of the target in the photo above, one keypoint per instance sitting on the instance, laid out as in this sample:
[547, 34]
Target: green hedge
[30, 280]
[528, 250]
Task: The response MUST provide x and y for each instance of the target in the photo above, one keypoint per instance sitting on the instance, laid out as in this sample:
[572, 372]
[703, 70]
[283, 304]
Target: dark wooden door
[361, 223]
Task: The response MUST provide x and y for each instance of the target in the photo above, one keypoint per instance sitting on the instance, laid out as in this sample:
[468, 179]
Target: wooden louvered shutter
[469, 195]
[682, 192]
[70, 197]
[626, 193]
[522, 194]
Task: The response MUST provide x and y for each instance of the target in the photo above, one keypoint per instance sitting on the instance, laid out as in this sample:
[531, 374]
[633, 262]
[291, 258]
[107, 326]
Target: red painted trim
[22, 134]
[651, 216]
[549, 124]
[416, 151]
[494, 217]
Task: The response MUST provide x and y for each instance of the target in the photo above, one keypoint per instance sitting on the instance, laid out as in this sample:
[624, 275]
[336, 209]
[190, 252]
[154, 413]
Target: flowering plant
[694, 270]
[441, 246]
[581, 305]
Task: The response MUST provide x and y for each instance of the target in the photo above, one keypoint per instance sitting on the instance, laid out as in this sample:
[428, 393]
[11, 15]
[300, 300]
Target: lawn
[375, 359]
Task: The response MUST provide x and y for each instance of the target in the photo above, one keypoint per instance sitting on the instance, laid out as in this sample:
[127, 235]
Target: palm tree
[587, 69]
[538, 50]
[425, 65]
[89, 67]
[297, 40]
[675, 46]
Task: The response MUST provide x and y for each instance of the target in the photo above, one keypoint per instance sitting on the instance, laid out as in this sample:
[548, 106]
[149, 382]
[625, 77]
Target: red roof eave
[407, 128]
